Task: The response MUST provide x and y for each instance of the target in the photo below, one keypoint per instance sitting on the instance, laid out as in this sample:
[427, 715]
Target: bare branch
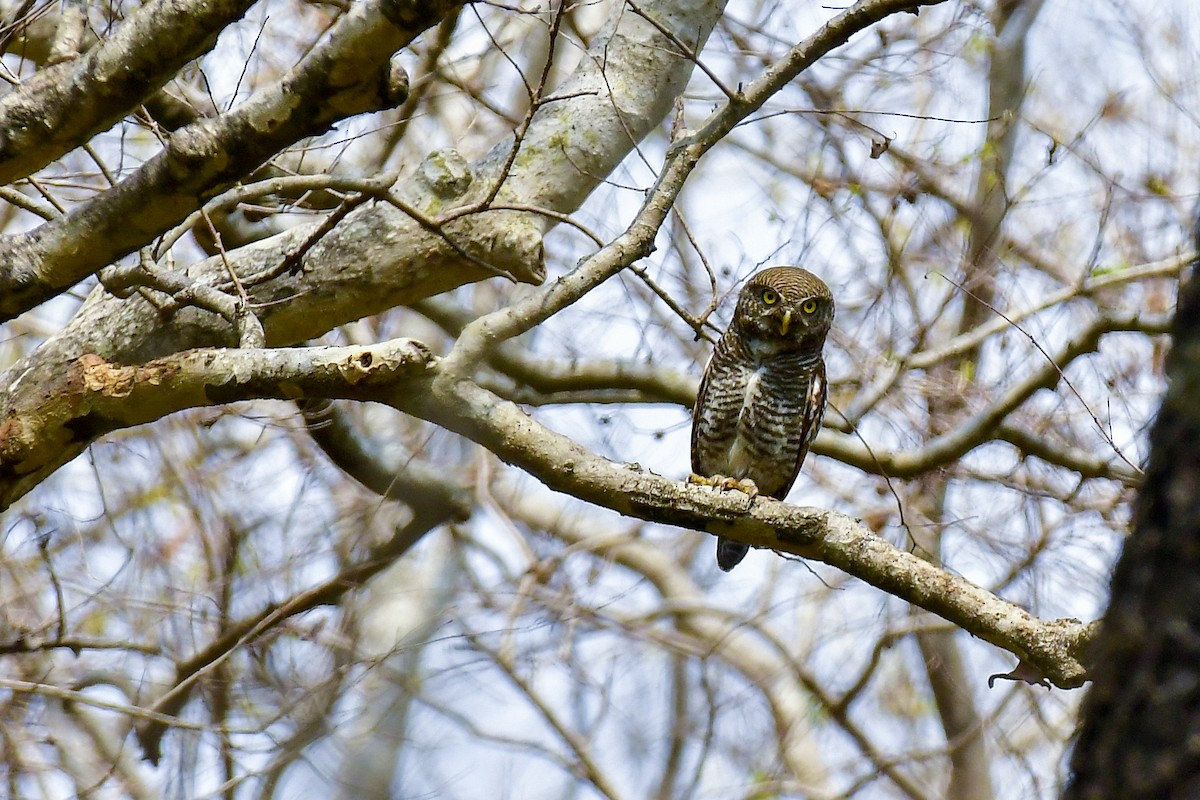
[404, 374]
[64, 105]
[347, 73]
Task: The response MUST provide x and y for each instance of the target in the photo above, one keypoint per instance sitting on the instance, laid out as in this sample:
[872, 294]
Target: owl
[763, 393]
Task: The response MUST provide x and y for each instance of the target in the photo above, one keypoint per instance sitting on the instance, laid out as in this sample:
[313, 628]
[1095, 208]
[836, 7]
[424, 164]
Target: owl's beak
[787, 322]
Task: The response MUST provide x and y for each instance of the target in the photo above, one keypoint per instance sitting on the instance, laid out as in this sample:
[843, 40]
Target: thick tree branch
[38, 434]
[405, 375]
[1050, 649]
[355, 257]
[379, 256]
[63, 106]
[93, 396]
[347, 73]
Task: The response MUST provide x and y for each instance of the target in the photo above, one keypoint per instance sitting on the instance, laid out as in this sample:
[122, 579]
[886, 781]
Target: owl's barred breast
[752, 422]
[769, 430]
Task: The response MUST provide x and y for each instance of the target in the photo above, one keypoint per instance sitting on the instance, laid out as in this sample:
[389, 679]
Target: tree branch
[100, 396]
[378, 257]
[63, 106]
[637, 241]
[347, 73]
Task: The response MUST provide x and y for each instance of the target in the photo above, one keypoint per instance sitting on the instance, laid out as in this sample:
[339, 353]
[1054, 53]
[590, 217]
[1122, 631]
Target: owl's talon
[724, 483]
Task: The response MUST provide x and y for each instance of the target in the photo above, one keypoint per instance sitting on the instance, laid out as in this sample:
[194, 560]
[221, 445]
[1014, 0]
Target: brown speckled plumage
[763, 394]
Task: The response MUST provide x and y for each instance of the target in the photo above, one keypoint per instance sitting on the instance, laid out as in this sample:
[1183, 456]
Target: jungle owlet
[763, 393]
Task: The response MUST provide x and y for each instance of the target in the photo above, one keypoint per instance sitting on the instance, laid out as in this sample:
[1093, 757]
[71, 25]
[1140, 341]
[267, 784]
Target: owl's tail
[730, 554]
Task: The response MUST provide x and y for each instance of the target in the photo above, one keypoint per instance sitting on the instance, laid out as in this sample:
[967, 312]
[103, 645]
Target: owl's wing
[698, 416]
[814, 412]
[715, 415]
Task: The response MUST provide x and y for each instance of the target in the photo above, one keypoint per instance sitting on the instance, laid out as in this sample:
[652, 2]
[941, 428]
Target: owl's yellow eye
[770, 297]
[809, 306]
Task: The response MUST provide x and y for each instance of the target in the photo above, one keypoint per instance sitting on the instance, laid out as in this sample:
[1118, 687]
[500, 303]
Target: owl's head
[784, 308]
